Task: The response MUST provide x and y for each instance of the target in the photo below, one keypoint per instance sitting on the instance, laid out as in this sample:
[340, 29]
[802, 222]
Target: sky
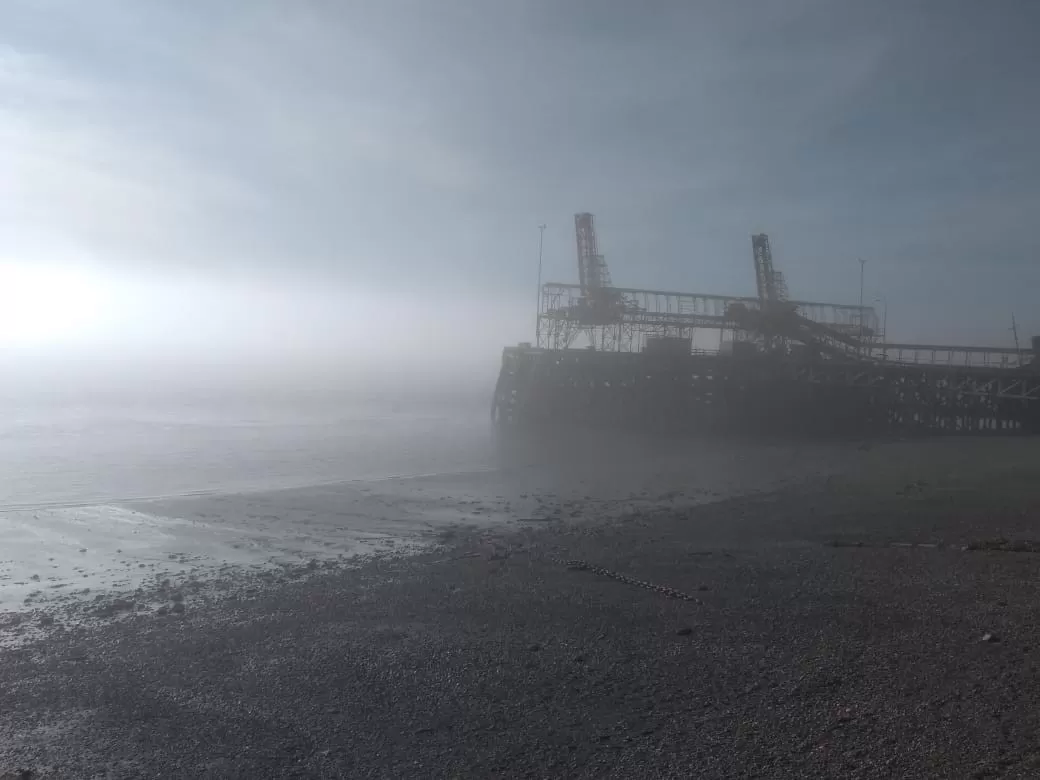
[325, 178]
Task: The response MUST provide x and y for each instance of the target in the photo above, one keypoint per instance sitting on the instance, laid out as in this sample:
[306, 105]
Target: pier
[610, 356]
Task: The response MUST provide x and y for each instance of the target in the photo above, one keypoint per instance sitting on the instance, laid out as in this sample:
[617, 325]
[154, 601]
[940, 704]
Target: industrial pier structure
[688, 361]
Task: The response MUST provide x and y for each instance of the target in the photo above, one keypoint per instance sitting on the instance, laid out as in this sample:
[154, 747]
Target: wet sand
[839, 629]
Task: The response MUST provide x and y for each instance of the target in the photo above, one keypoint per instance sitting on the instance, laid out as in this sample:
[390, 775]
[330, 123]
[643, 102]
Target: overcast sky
[396, 156]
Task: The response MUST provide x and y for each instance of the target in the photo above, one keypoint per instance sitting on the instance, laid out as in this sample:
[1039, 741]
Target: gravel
[836, 634]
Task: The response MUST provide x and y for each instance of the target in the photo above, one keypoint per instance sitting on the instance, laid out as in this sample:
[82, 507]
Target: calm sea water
[104, 452]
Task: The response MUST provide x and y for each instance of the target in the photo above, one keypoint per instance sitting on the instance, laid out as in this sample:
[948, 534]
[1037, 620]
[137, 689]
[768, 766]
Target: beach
[874, 623]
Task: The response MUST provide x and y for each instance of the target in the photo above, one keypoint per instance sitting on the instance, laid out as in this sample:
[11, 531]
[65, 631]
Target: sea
[98, 452]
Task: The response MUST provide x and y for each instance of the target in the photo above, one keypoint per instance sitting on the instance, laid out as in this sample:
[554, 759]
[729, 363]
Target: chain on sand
[672, 593]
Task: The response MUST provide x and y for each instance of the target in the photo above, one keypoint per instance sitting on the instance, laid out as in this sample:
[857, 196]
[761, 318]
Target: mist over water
[101, 452]
[162, 384]
[114, 327]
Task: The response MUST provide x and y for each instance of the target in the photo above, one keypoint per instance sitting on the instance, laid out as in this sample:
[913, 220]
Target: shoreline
[58, 552]
[83, 563]
[814, 649]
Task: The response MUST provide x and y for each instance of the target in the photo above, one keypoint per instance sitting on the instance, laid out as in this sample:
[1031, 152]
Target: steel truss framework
[954, 356]
[564, 317]
[936, 397]
[564, 314]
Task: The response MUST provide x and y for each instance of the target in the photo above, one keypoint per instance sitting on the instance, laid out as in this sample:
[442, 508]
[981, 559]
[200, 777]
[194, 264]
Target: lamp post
[862, 267]
[884, 325]
[538, 299]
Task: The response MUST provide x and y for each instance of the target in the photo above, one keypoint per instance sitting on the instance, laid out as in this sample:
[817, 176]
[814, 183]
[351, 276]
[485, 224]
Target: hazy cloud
[405, 150]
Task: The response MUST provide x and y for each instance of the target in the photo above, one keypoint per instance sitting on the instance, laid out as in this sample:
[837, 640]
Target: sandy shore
[871, 625]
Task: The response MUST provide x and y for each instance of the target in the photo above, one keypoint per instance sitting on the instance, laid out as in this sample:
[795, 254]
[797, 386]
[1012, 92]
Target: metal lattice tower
[766, 278]
[593, 274]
